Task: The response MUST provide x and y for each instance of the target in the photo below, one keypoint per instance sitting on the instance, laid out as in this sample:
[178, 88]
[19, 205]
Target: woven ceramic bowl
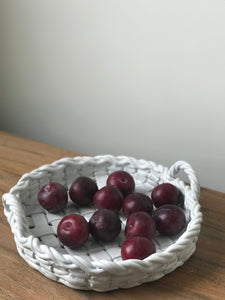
[98, 266]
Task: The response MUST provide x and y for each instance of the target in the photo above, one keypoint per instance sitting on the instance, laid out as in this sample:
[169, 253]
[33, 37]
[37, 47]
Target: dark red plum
[73, 230]
[137, 248]
[105, 225]
[165, 193]
[123, 181]
[82, 190]
[140, 224]
[169, 219]
[53, 197]
[135, 202]
[108, 197]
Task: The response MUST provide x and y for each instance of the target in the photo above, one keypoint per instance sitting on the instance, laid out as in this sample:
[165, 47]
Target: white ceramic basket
[98, 266]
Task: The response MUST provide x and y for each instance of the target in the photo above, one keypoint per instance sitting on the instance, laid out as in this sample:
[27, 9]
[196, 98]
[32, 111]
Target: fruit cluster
[142, 223]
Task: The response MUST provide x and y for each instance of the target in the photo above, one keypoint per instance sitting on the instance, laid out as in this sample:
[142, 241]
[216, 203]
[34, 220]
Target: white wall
[133, 77]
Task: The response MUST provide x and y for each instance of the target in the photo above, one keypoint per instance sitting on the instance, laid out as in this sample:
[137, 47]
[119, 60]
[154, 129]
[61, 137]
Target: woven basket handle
[188, 170]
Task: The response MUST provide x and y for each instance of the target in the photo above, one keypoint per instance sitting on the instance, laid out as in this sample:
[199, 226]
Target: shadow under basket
[96, 265]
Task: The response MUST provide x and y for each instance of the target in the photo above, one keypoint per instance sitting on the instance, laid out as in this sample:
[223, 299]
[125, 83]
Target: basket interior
[43, 224]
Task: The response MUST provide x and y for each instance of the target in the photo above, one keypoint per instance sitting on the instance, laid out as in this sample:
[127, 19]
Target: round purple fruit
[169, 219]
[82, 190]
[165, 193]
[53, 197]
[73, 230]
[123, 181]
[135, 202]
[108, 197]
[140, 224]
[105, 225]
[137, 248]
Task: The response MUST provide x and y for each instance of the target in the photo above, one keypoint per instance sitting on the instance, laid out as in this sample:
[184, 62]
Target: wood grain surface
[201, 277]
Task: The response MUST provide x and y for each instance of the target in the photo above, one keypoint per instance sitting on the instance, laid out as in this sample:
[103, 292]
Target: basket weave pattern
[96, 265]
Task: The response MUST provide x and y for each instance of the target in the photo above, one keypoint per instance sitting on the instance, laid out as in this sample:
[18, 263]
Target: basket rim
[93, 267]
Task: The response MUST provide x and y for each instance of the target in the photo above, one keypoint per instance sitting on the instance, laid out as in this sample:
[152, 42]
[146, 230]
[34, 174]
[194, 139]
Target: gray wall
[140, 78]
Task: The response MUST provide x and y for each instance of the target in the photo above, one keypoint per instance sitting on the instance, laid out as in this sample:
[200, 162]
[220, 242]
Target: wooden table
[201, 277]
